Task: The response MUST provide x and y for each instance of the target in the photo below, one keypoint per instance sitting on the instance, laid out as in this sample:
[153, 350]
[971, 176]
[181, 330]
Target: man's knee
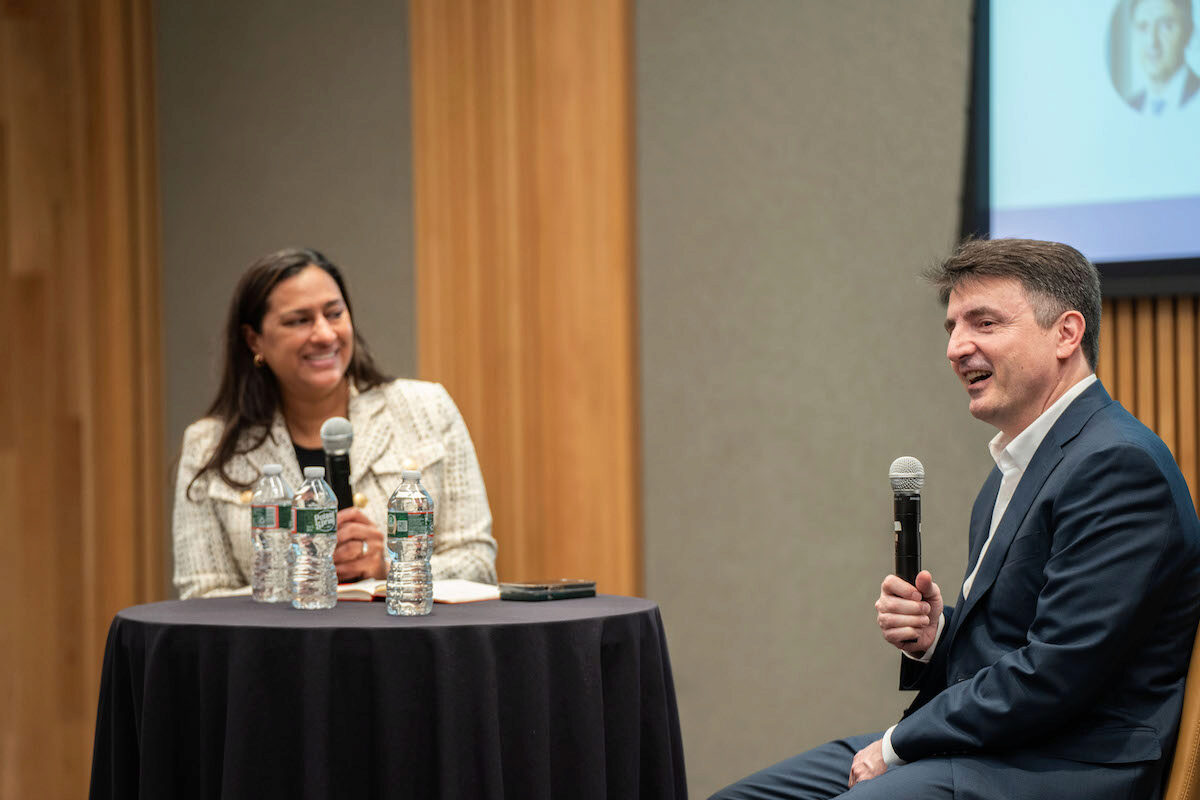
[817, 774]
[929, 779]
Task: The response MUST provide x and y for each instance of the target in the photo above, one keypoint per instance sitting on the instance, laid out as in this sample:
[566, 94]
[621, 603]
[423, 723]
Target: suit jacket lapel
[1048, 454]
[981, 522]
[1044, 461]
[981, 517]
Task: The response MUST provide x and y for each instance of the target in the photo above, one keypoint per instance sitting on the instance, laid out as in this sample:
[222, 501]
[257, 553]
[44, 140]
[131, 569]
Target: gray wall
[798, 166]
[281, 123]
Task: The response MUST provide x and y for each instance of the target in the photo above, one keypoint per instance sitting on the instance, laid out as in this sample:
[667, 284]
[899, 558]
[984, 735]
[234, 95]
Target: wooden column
[522, 132]
[81, 471]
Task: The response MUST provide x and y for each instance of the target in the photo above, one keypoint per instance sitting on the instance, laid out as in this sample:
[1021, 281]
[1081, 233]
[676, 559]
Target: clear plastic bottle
[314, 537]
[271, 532]
[410, 538]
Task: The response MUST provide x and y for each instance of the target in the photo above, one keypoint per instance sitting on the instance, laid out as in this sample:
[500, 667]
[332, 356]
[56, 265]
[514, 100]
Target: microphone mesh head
[336, 434]
[906, 474]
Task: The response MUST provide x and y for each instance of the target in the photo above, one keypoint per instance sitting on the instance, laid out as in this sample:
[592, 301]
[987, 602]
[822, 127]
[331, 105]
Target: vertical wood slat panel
[79, 297]
[1123, 388]
[1165, 371]
[1126, 358]
[1186, 391]
[525, 308]
[1143, 319]
[1153, 370]
[1106, 368]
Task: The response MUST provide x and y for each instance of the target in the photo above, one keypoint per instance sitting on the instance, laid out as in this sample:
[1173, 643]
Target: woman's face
[307, 337]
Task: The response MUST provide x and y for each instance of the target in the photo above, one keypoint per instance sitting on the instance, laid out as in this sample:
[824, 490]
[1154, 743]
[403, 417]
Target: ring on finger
[364, 547]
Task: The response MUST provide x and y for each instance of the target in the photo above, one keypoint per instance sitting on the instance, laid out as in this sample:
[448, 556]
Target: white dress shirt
[1012, 456]
[1169, 100]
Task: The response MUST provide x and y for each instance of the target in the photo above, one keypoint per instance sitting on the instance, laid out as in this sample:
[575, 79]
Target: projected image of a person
[1160, 31]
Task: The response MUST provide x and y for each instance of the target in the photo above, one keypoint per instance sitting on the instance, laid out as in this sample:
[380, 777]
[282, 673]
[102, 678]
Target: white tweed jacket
[404, 424]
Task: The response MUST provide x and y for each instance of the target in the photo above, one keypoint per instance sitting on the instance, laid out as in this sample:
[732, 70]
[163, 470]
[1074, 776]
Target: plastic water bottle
[314, 537]
[410, 538]
[271, 532]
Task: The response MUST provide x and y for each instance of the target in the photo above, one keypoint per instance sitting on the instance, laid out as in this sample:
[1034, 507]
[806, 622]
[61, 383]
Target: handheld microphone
[907, 477]
[336, 436]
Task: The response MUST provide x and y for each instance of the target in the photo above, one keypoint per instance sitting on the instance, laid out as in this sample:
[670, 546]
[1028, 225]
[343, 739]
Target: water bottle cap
[272, 469]
[314, 472]
[410, 475]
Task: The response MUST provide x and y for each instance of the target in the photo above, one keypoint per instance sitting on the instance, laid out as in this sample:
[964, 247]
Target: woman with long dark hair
[292, 359]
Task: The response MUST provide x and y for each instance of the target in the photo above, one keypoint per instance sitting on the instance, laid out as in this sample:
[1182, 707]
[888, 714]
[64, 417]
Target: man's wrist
[925, 657]
[889, 754]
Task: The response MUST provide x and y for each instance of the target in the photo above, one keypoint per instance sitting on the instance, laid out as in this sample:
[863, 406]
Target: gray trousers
[823, 772]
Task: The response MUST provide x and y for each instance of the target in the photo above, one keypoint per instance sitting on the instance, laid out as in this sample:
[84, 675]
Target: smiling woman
[293, 359]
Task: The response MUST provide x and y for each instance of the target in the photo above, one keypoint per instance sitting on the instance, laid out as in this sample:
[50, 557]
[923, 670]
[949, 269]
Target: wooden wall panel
[1186, 410]
[1124, 386]
[80, 449]
[1165, 375]
[525, 285]
[1153, 371]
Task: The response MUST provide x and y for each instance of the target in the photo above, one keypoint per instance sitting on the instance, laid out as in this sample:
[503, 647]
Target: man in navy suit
[1059, 673]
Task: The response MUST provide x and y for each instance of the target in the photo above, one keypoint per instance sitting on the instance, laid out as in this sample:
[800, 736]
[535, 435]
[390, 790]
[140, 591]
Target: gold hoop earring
[259, 360]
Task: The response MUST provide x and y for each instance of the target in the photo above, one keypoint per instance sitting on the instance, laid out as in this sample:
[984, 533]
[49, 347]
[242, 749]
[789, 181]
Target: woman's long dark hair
[248, 396]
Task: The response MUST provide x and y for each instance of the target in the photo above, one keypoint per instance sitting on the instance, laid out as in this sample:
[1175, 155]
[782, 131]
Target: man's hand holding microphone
[910, 603]
[908, 615]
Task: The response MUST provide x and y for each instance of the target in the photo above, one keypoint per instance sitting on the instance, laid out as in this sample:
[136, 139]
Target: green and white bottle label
[316, 520]
[420, 523]
[409, 523]
[265, 518]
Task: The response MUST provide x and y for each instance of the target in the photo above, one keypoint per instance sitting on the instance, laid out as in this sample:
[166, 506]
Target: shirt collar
[1016, 453]
[1172, 91]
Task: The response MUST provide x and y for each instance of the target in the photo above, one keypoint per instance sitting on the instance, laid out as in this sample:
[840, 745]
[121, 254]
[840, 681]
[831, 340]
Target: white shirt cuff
[928, 654]
[889, 755]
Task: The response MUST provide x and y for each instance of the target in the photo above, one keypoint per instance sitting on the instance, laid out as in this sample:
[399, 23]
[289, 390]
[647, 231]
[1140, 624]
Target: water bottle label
[316, 520]
[264, 517]
[420, 523]
[409, 523]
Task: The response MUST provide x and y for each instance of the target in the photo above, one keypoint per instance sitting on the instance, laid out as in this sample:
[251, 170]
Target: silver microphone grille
[906, 474]
[336, 434]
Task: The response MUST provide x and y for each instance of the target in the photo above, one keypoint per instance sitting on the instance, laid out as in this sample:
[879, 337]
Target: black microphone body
[337, 470]
[908, 535]
[907, 477]
[336, 436]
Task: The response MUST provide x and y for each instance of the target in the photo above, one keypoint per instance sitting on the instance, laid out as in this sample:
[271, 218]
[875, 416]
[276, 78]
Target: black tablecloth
[232, 698]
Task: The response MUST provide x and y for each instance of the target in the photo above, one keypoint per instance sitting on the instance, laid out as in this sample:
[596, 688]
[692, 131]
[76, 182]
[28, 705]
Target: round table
[499, 699]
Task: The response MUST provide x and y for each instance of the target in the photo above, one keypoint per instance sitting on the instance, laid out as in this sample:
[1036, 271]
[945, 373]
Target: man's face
[1159, 36]
[1005, 360]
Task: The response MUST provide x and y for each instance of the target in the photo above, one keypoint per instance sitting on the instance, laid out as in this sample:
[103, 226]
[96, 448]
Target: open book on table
[452, 590]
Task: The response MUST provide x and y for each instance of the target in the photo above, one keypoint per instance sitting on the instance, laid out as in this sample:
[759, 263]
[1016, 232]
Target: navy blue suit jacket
[1075, 640]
